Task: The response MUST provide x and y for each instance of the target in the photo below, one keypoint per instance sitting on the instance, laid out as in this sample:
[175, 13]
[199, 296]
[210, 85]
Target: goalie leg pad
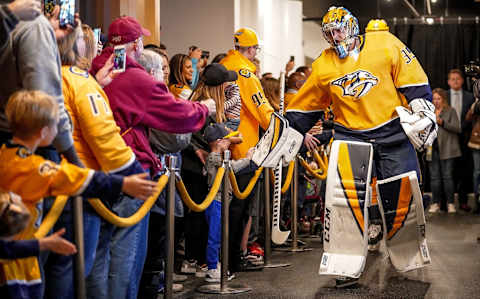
[404, 221]
[346, 209]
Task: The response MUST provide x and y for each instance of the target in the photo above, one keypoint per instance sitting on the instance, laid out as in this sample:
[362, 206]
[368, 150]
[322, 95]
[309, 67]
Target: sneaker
[179, 277]
[343, 281]
[247, 265]
[201, 271]
[176, 287]
[256, 249]
[434, 208]
[189, 267]
[451, 208]
[213, 275]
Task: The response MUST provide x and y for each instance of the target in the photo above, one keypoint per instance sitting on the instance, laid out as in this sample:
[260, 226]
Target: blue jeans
[121, 252]
[213, 214]
[476, 170]
[59, 268]
[441, 178]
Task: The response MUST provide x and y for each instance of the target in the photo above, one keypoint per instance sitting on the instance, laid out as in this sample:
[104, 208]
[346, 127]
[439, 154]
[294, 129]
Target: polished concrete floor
[454, 272]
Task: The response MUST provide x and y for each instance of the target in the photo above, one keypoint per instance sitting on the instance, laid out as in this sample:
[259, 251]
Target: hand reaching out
[57, 244]
[138, 186]
[311, 142]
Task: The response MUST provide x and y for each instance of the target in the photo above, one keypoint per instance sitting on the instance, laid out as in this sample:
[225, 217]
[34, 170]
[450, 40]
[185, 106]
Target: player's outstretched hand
[60, 32]
[139, 186]
[57, 244]
[25, 10]
[311, 142]
[105, 75]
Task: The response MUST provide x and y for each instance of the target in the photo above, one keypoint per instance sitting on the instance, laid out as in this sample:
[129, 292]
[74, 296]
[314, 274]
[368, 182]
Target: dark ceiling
[367, 9]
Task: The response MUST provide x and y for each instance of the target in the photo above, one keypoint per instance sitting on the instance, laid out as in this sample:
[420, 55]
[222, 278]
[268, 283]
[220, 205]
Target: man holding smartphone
[138, 102]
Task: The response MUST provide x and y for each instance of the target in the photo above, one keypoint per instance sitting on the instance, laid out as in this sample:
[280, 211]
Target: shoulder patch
[245, 73]
[47, 168]
[23, 152]
[179, 86]
[78, 71]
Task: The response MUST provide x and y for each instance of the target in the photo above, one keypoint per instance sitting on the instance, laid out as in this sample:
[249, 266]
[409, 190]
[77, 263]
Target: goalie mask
[340, 18]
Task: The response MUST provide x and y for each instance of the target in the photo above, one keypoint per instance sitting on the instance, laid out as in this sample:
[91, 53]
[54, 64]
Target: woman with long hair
[443, 152]
[181, 74]
[271, 88]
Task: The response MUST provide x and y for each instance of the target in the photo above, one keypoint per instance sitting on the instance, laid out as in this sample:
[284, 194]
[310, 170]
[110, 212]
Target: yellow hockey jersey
[180, 91]
[96, 135]
[363, 90]
[32, 177]
[256, 110]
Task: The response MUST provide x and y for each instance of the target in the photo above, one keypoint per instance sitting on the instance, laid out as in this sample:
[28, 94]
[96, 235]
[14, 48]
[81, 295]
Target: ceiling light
[430, 21]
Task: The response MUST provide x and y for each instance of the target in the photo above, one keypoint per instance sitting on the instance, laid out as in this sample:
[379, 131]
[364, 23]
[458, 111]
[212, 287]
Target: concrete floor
[454, 272]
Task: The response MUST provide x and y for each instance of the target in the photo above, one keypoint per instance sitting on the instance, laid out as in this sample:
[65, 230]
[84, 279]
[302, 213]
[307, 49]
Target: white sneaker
[189, 267]
[213, 275]
[201, 271]
[434, 208]
[451, 208]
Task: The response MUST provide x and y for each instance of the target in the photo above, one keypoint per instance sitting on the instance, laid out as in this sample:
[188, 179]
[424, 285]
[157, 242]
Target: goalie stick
[278, 236]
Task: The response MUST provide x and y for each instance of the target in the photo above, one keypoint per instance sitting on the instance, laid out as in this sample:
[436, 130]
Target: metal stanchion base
[298, 249]
[276, 265]
[229, 289]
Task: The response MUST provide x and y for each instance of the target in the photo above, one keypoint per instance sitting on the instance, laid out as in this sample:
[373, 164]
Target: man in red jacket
[138, 102]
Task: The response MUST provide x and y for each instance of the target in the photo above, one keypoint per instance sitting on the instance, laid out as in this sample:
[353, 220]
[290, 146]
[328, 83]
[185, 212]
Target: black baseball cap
[214, 132]
[215, 74]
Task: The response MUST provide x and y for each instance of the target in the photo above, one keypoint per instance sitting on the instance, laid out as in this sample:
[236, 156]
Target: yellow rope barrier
[322, 162]
[288, 178]
[319, 174]
[51, 217]
[236, 191]
[211, 194]
[139, 214]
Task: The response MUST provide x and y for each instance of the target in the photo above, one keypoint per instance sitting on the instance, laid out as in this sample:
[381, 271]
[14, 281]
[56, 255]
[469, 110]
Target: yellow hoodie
[256, 111]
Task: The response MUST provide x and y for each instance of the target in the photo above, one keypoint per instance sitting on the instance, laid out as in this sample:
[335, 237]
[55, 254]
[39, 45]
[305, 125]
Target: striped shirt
[233, 102]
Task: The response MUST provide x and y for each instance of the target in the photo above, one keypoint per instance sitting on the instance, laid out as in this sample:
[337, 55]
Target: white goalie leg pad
[279, 141]
[403, 216]
[345, 235]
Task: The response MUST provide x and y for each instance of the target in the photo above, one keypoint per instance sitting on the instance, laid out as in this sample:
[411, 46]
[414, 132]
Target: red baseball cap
[124, 30]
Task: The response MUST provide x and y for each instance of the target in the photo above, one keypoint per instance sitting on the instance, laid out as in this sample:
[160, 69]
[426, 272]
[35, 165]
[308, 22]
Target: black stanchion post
[268, 229]
[223, 287]
[294, 205]
[80, 290]
[170, 217]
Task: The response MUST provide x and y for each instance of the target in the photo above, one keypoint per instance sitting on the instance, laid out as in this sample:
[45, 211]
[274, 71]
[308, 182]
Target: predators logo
[245, 73]
[356, 84]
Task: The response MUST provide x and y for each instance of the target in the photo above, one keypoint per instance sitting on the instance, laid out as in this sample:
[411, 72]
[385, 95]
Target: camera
[205, 54]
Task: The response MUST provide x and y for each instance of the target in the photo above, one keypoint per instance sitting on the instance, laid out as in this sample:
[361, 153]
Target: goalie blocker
[346, 215]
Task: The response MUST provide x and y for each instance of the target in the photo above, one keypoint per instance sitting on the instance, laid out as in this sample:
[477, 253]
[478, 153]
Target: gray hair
[150, 60]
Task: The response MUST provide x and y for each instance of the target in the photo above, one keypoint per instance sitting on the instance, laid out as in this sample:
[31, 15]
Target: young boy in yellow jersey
[364, 78]
[33, 118]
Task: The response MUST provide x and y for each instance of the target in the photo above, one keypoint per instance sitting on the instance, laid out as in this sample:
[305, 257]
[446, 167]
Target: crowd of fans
[70, 125]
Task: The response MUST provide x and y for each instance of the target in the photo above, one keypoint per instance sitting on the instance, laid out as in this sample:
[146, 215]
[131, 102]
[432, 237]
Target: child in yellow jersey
[33, 118]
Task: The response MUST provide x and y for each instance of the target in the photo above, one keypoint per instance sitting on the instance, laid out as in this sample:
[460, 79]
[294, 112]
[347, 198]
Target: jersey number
[408, 55]
[96, 99]
[257, 98]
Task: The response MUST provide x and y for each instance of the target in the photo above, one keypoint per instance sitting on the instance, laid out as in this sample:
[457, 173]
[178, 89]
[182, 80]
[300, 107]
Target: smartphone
[205, 54]
[49, 6]
[96, 35]
[67, 13]
[119, 59]
[292, 58]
